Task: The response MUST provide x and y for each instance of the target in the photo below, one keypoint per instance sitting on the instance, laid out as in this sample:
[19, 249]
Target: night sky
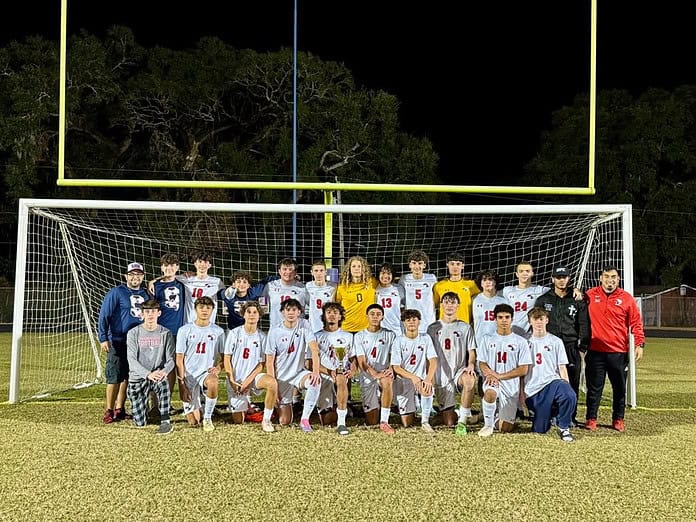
[472, 78]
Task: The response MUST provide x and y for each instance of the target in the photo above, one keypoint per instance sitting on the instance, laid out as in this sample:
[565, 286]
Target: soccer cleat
[306, 426]
[121, 415]
[427, 428]
[565, 435]
[108, 417]
[165, 428]
[267, 426]
[208, 425]
[342, 430]
[591, 424]
[386, 428]
[460, 429]
[486, 431]
[618, 425]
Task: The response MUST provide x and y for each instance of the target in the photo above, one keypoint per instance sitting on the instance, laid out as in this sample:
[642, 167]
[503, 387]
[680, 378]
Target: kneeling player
[243, 364]
[373, 349]
[546, 385]
[412, 354]
[197, 346]
[285, 350]
[503, 359]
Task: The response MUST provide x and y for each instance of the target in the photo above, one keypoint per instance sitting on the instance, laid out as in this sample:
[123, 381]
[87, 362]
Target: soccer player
[243, 361]
[120, 311]
[372, 347]
[485, 303]
[197, 347]
[285, 350]
[319, 291]
[242, 290]
[287, 287]
[355, 292]
[150, 360]
[200, 284]
[334, 387]
[391, 297]
[466, 289]
[612, 312]
[418, 288]
[414, 361]
[523, 297]
[503, 359]
[569, 321]
[546, 390]
[456, 355]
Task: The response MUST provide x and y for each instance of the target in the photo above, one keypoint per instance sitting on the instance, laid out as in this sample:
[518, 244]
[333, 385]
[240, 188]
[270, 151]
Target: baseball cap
[560, 271]
[133, 267]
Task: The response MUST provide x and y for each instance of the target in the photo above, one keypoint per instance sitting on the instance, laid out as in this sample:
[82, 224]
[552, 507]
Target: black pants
[598, 366]
[574, 368]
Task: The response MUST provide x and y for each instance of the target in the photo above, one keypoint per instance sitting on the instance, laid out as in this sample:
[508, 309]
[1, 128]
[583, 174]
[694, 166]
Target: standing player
[456, 354]
[151, 360]
[355, 292]
[391, 298]
[522, 297]
[503, 359]
[197, 347]
[334, 387]
[546, 390]
[119, 312]
[242, 290]
[243, 364]
[418, 288]
[485, 303]
[465, 289]
[287, 287]
[414, 361]
[373, 350]
[286, 346]
[319, 291]
[201, 284]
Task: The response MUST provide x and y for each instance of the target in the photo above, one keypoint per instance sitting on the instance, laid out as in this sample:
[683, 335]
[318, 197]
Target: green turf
[60, 463]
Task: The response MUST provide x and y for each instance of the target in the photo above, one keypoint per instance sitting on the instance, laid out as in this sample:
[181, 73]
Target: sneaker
[486, 431]
[460, 429]
[427, 428]
[208, 425]
[267, 426]
[165, 428]
[121, 415]
[108, 417]
[565, 435]
[342, 430]
[591, 424]
[306, 426]
[618, 425]
[384, 427]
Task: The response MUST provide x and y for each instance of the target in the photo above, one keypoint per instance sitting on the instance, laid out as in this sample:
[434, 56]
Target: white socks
[310, 400]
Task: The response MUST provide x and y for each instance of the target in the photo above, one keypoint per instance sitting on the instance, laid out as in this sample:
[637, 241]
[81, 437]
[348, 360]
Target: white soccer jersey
[328, 342]
[195, 288]
[245, 351]
[200, 345]
[419, 296]
[484, 318]
[276, 292]
[504, 353]
[392, 299]
[452, 343]
[290, 347]
[375, 347]
[522, 301]
[318, 296]
[547, 353]
[413, 354]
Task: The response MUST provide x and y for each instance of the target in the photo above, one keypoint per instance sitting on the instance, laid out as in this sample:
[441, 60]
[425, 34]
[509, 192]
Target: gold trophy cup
[340, 354]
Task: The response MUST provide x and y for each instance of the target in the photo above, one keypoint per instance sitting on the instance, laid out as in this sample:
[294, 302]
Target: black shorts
[116, 364]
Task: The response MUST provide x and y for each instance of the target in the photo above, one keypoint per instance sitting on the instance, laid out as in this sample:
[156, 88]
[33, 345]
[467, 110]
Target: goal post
[71, 252]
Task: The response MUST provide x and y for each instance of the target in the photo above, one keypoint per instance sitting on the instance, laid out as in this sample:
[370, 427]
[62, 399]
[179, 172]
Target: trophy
[340, 354]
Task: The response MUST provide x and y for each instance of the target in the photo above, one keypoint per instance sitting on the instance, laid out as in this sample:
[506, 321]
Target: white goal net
[72, 252]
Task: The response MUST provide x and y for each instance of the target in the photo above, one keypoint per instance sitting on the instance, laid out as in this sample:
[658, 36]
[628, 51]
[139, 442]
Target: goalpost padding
[70, 253]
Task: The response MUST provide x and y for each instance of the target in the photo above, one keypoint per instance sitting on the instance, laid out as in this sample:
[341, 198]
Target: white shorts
[239, 402]
[195, 387]
[507, 404]
[286, 389]
[370, 391]
[405, 393]
[446, 395]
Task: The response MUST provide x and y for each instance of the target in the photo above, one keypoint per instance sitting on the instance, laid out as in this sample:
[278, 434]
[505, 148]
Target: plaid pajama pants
[138, 392]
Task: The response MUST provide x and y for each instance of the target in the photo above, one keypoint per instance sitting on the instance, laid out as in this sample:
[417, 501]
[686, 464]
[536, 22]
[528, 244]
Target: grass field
[60, 463]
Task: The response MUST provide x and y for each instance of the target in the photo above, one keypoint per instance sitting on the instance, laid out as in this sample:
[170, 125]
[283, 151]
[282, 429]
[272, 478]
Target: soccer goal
[70, 253]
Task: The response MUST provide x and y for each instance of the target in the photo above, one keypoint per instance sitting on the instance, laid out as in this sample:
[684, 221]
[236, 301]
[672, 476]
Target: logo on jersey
[135, 302]
[172, 299]
[211, 337]
[548, 307]
[618, 302]
[572, 311]
[512, 347]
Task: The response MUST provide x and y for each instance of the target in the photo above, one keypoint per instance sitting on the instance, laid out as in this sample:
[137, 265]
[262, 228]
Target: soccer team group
[408, 342]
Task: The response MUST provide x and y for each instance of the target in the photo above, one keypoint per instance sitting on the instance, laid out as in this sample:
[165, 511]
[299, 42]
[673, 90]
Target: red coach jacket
[610, 318]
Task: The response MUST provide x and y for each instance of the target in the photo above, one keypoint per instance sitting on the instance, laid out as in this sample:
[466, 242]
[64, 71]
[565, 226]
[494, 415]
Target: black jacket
[568, 318]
